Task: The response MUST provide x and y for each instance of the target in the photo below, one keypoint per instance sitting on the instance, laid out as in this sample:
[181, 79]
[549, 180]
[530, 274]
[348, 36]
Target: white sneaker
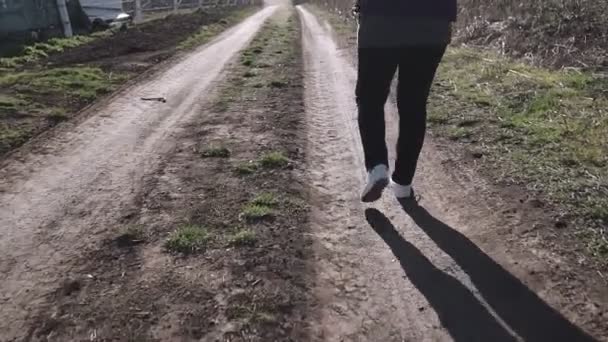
[377, 180]
[402, 191]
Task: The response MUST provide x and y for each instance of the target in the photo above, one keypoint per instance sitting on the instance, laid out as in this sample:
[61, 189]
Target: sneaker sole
[376, 191]
[412, 199]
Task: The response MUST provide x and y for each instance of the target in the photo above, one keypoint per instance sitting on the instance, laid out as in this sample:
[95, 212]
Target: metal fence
[151, 8]
[32, 19]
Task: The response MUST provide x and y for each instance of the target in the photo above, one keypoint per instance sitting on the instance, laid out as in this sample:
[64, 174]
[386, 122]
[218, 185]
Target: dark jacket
[437, 9]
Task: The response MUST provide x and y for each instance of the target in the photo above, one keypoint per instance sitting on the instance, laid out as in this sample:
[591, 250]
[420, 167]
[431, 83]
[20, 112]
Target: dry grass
[551, 32]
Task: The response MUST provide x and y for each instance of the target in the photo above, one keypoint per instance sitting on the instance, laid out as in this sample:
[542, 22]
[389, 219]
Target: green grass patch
[598, 245]
[188, 239]
[266, 199]
[437, 117]
[261, 207]
[57, 116]
[256, 212]
[216, 152]
[251, 55]
[251, 313]
[36, 95]
[10, 137]
[458, 133]
[243, 237]
[85, 83]
[596, 241]
[598, 209]
[546, 128]
[249, 74]
[39, 51]
[247, 62]
[202, 36]
[11, 103]
[222, 105]
[245, 169]
[274, 160]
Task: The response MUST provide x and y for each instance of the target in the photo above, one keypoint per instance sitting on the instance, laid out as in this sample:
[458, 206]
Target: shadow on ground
[460, 312]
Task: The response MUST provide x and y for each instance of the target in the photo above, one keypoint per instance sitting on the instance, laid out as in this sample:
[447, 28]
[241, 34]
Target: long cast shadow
[465, 318]
[518, 306]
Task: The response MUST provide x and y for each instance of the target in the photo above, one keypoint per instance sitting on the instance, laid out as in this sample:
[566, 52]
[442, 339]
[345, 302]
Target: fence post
[65, 18]
[138, 13]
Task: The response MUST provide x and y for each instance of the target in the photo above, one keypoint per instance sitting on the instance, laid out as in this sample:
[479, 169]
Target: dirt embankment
[157, 38]
[558, 33]
[51, 82]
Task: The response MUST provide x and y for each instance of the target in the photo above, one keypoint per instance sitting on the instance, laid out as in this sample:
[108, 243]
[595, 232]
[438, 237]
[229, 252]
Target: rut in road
[404, 275]
[55, 202]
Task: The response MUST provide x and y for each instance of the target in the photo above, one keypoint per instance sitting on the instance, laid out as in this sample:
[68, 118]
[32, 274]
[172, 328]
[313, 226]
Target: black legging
[377, 66]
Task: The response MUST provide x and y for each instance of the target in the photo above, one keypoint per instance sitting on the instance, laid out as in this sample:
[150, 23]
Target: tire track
[405, 275]
[54, 204]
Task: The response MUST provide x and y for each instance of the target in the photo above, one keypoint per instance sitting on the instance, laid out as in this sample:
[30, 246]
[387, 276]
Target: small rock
[536, 203]
[71, 287]
[477, 154]
[560, 224]
[143, 314]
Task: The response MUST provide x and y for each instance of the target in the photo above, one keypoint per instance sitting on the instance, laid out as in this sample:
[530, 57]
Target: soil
[85, 214]
[87, 184]
[250, 292]
[158, 36]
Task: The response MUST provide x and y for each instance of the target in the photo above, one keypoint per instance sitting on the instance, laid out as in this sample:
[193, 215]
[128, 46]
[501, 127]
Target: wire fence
[20, 23]
[150, 8]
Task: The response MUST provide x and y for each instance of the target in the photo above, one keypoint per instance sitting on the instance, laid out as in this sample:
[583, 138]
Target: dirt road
[441, 271]
[412, 273]
[67, 193]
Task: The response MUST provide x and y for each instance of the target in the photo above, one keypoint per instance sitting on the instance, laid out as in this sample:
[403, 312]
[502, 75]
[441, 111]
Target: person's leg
[376, 70]
[417, 67]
